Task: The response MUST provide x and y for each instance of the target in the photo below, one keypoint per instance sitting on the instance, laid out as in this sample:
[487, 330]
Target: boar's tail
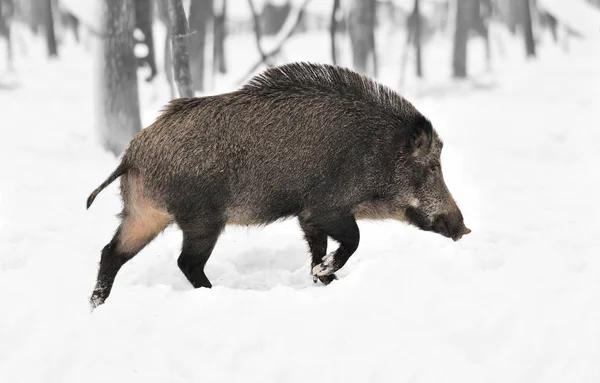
[119, 171]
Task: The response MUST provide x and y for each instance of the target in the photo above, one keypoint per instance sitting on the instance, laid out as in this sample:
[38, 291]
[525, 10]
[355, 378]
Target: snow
[514, 301]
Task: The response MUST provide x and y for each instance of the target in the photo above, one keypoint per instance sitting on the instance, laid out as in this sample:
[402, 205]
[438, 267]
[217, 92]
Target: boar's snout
[450, 225]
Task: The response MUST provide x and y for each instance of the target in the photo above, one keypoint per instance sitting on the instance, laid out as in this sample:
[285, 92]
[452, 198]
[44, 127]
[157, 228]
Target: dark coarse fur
[296, 137]
[318, 142]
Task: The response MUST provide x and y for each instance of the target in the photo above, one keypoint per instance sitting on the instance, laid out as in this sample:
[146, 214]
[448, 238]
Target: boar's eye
[433, 169]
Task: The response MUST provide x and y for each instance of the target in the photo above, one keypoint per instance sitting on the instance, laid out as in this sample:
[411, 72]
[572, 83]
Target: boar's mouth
[448, 225]
[463, 232]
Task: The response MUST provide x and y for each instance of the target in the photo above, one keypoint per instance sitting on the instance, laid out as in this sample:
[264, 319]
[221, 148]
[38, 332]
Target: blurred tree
[482, 13]
[333, 30]
[144, 17]
[6, 15]
[464, 13]
[274, 15]
[257, 27]
[69, 22]
[287, 30]
[49, 29]
[36, 14]
[179, 40]
[201, 15]
[163, 16]
[118, 112]
[220, 33]
[416, 16]
[528, 29]
[547, 20]
[362, 35]
[515, 15]
[414, 33]
[519, 19]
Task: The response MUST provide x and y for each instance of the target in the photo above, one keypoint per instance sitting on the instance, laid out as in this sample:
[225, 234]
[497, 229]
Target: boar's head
[426, 200]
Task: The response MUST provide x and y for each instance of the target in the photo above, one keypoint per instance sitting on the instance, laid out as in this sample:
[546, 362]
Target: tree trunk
[374, 66]
[144, 18]
[118, 109]
[179, 41]
[273, 16]
[528, 29]
[417, 42]
[163, 16]
[37, 15]
[515, 15]
[333, 30]
[461, 34]
[220, 33]
[6, 14]
[49, 26]
[362, 34]
[201, 14]
[169, 64]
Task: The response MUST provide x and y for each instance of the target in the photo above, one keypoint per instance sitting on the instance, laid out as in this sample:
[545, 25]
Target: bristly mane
[329, 79]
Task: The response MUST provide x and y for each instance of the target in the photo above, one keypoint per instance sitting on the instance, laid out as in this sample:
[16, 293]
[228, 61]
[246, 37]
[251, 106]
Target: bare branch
[257, 31]
[287, 30]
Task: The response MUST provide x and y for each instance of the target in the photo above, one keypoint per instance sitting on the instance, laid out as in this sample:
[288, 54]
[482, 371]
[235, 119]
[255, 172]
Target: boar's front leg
[317, 244]
[344, 230]
[199, 240]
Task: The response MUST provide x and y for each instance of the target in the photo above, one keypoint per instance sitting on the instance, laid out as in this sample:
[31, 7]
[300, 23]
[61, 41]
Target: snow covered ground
[515, 301]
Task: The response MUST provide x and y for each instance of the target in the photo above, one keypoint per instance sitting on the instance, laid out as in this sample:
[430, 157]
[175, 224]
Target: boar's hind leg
[134, 233]
[317, 244]
[344, 230]
[198, 243]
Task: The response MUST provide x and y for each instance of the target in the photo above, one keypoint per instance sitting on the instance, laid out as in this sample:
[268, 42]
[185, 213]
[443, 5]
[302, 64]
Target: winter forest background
[384, 39]
[513, 88]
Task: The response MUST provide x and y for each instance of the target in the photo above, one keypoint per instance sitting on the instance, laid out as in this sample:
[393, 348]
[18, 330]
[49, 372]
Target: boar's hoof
[97, 298]
[326, 267]
[324, 271]
[324, 279]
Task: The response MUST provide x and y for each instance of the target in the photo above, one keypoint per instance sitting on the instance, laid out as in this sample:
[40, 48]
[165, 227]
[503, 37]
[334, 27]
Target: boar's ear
[419, 137]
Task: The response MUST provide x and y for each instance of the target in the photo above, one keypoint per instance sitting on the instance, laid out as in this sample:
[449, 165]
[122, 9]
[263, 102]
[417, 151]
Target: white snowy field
[515, 301]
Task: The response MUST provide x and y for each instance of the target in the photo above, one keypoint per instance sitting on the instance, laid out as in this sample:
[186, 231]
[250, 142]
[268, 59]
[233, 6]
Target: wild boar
[317, 142]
